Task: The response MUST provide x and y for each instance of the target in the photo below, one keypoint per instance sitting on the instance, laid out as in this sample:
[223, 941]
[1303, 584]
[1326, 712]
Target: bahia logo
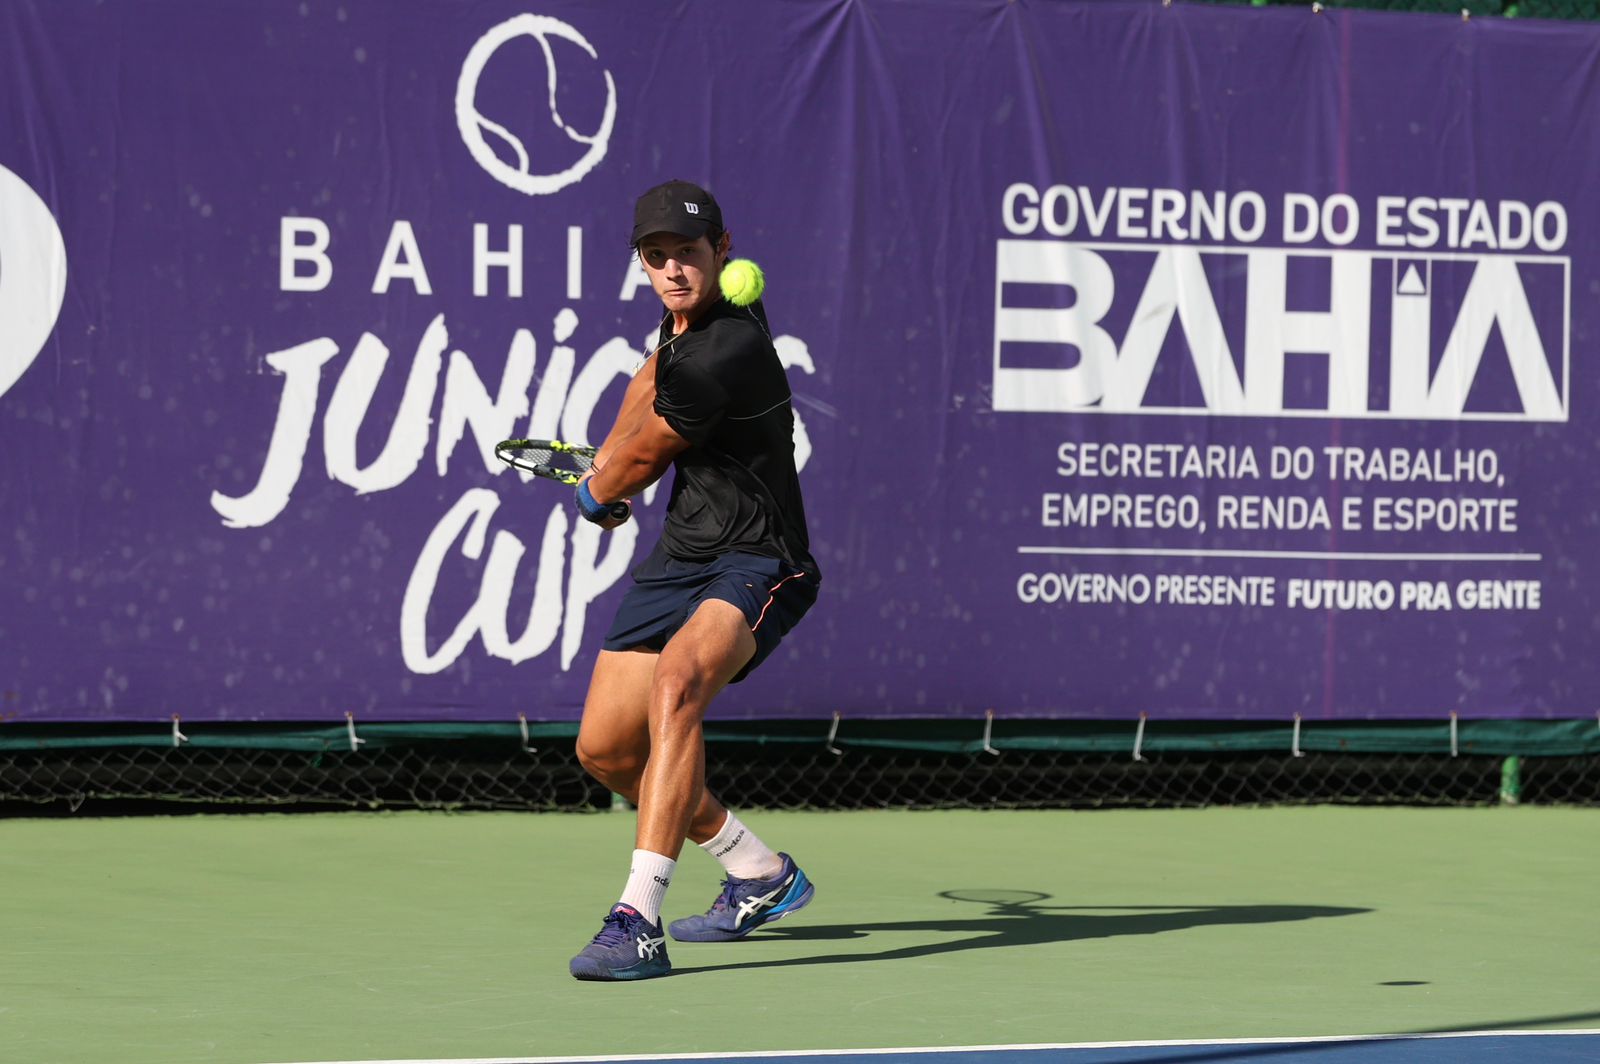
[33, 276]
[534, 177]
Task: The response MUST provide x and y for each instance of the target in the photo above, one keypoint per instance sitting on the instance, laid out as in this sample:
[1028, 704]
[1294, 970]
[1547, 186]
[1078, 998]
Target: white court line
[779, 1054]
[1318, 555]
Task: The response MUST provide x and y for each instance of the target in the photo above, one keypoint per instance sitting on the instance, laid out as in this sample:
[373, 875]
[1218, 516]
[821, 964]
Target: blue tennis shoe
[746, 904]
[627, 947]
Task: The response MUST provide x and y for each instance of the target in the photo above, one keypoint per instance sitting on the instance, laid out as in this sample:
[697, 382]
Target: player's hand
[610, 521]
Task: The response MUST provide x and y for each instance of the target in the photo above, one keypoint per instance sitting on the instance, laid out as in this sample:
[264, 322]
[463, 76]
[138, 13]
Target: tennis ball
[742, 282]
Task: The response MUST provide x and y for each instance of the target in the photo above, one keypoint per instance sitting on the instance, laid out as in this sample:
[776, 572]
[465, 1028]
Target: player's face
[683, 272]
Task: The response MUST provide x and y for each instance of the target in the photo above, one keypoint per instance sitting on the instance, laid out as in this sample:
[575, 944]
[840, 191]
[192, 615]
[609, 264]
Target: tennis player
[731, 574]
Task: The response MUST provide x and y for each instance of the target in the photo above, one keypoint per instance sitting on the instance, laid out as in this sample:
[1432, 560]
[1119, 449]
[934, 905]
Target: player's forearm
[628, 470]
[636, 402]
[628, 421]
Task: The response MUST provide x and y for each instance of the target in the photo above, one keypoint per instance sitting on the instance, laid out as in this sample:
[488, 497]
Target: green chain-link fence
[814, 765]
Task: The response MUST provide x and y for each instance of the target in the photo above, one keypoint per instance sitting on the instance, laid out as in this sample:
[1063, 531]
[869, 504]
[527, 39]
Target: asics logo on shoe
[756, 903]
[649, 947]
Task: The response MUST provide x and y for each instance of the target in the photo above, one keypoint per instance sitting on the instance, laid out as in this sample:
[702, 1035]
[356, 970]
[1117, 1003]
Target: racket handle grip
[621, 510]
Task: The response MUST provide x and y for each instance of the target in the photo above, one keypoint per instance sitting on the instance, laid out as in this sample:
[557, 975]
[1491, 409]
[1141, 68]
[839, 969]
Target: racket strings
[539, 456]
[547, 458]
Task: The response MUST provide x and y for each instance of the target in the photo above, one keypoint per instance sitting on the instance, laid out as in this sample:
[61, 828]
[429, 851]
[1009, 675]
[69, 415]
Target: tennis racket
[565, 463]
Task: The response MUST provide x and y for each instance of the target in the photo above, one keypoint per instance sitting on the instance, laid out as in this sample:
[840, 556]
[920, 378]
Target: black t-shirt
[721, 387]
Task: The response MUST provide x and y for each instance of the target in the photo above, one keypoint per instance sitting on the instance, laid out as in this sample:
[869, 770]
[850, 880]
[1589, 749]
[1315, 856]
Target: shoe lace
[613, 930]
[730, 887]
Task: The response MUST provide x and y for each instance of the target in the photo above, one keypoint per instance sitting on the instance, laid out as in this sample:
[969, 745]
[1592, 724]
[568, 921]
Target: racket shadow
[1016, 918]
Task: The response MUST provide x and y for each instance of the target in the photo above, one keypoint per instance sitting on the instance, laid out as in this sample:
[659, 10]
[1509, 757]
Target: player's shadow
[1015, 918]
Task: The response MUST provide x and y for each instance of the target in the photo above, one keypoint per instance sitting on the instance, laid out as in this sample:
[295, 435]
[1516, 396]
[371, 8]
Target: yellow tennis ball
[742, 282]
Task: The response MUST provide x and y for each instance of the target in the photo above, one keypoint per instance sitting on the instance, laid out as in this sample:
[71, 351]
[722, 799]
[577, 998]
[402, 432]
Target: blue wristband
[591, 508]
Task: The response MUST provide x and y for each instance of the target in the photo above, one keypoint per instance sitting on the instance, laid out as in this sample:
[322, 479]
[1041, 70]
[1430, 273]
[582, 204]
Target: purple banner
[1210, 363]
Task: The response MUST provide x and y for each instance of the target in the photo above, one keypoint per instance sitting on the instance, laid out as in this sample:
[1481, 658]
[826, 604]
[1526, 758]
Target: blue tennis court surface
[1496, 1047]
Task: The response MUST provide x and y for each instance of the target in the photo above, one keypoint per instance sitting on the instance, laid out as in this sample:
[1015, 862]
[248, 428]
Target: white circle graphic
[33, 276]
[473, 125]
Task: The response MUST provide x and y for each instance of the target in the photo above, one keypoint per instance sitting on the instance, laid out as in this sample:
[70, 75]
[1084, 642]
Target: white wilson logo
[1176, 294]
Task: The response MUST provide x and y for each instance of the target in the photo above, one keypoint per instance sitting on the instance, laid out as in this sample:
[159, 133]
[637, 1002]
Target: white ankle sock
[741, 853]
[648, 881]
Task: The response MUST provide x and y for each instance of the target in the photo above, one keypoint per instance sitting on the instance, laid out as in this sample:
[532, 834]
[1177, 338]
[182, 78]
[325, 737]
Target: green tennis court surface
[433, 936]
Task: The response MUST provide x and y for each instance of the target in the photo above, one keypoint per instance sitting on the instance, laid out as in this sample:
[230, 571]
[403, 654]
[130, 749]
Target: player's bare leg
[695, 666]
[614, 738]
[643, 735]
[665, 726]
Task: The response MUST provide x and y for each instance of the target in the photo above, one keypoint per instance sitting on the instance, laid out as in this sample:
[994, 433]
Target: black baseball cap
[675, 207]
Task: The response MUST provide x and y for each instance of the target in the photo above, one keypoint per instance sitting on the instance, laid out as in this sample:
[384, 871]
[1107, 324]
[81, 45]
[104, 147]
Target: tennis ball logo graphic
[33, 276]
[526, 175]
[742, 282]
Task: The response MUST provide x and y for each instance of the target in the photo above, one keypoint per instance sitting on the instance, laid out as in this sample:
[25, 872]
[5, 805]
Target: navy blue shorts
[772, 594]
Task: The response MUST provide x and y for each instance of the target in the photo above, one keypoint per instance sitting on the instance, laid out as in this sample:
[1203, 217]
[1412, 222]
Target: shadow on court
[1015, 918]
